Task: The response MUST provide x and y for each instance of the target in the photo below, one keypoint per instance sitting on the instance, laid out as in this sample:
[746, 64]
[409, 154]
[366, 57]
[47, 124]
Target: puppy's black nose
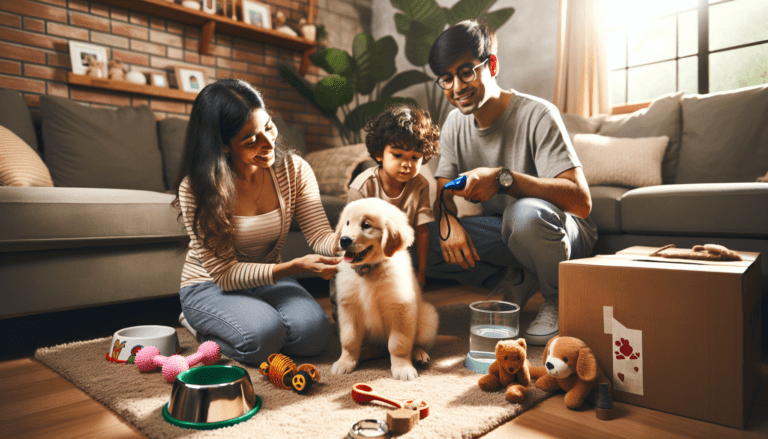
[550, 366]
[345, 241]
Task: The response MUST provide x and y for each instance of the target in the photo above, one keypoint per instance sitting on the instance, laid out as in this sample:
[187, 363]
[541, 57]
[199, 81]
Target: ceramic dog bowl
[209, 397]
[127, 342]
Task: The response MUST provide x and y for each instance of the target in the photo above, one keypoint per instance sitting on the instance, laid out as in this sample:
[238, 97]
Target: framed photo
[82, 53]
[189, 79]
[158, 79]
[257, 14]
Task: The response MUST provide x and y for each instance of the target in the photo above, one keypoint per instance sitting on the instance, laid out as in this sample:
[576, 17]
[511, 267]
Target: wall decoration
[84, 55]
[158, 79]
[189, 79]
[257, 14]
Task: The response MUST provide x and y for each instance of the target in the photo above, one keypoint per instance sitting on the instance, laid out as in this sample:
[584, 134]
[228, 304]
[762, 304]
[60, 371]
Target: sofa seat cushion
[333, 206]
[606, 207]
[714, 209]
[48, 218]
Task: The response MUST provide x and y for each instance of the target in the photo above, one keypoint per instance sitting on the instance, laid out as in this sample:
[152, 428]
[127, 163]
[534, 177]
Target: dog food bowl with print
[127, 342]
[209, 397]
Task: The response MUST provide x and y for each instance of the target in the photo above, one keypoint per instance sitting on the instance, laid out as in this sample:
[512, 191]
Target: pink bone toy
[149, 358]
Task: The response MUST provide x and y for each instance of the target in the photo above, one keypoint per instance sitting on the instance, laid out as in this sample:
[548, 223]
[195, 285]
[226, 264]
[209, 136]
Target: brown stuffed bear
[569, 365]
[511, 370]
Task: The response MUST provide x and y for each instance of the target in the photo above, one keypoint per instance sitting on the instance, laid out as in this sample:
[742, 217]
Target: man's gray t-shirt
[528, 138]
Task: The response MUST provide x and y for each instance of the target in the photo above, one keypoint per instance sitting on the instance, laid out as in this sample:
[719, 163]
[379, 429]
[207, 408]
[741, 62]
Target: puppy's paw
[342, 367]
[420, 356]
[404, 373]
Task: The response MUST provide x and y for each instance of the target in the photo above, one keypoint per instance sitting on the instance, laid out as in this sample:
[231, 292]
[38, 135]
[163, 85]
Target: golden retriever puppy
[378, 296]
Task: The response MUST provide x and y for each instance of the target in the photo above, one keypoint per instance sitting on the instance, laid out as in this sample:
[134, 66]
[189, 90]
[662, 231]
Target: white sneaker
[185, 323]
[545, 326]
[517, 286]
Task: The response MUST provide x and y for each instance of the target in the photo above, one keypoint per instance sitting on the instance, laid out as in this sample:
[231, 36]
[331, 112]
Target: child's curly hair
[404, 127]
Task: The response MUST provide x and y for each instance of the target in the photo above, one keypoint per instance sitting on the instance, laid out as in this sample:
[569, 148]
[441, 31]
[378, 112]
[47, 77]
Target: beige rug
[458, 408]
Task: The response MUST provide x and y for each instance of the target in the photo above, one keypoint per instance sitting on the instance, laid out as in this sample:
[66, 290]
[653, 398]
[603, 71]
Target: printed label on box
[627, 345]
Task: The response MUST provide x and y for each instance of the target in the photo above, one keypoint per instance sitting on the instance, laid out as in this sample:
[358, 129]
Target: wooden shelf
[129, 87]
[212, 23]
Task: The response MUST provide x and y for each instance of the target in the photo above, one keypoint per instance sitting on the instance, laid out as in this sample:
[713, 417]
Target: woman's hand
[321, 266]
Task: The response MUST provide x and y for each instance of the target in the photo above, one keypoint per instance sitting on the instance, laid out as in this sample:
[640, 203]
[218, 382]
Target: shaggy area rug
[458, 408]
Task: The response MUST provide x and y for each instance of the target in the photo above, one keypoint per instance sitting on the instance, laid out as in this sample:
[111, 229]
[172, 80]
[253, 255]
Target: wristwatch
[505, 180]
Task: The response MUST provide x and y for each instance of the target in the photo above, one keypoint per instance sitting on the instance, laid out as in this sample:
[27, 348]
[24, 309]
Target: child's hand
[421, 276]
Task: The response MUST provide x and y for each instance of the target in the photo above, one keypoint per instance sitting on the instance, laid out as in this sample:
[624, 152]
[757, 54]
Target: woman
[238, 191]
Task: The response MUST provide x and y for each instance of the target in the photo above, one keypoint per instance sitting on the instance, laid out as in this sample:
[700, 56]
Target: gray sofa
[106, 233]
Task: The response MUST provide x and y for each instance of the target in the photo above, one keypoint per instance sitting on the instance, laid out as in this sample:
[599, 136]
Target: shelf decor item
[158, 79]
[257, 14]
[209, 6]
[189, 79]
[84, 55]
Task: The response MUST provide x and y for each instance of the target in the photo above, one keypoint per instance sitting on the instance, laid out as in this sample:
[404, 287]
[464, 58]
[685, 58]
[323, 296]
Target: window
[657, 47]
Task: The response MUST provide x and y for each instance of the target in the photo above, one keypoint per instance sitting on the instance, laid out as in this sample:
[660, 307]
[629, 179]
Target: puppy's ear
[586, 366]
[399, 234]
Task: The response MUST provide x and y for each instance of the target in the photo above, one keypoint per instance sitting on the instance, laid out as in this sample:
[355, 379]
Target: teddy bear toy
[569, 365]
[94, 67]
[511, 369]
[117, 70]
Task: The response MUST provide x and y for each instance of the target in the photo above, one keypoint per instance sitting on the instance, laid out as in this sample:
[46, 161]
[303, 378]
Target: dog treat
[149, 358]
[706, 252]
[401, 421]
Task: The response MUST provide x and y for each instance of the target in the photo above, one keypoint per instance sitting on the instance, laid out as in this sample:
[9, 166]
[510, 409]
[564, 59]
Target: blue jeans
[250, 325]
[532, 233]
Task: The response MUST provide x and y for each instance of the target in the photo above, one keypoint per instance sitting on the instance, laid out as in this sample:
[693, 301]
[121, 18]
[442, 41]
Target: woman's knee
[253, 347]
[309, 336]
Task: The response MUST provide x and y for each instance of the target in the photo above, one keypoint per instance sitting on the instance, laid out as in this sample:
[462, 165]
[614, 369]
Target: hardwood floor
[36, 402]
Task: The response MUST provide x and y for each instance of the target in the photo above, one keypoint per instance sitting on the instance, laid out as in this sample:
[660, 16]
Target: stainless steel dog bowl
[209, 397]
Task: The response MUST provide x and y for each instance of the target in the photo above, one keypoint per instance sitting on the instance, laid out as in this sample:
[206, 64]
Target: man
[521, 166]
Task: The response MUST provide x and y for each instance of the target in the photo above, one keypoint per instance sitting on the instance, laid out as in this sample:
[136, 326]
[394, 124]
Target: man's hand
[458, 249]
[482, 184]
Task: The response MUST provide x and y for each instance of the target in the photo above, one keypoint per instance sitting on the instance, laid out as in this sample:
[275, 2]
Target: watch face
[506, 179]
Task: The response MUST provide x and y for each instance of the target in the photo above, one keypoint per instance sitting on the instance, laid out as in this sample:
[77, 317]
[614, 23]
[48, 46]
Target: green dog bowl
[210, 397]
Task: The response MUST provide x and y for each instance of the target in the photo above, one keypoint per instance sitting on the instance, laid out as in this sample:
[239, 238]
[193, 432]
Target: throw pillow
[333, 167]
[621, 161]
[725, 136]
[101, 148]
[19, 164]
[14, 115]
[172, 133]
[578, 124]
[661, 118]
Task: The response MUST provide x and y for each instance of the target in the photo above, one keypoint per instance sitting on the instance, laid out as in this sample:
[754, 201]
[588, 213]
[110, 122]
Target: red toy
[149, 358]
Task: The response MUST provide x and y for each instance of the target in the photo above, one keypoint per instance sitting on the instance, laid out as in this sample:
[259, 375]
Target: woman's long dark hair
[219, 113]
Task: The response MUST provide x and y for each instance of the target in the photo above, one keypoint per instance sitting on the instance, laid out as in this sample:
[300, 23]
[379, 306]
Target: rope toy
[706, 252]
[149, 358]
[284, 374]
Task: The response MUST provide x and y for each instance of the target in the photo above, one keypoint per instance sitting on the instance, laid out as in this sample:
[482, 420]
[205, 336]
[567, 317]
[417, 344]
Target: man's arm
[458, 248]
[568, 190]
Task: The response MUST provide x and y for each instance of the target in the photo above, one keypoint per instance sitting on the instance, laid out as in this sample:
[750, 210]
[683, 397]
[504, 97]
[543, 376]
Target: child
[401, 139]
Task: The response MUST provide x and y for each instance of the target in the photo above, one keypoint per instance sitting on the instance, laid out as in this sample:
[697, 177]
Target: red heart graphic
[621, 377]
[637, 370]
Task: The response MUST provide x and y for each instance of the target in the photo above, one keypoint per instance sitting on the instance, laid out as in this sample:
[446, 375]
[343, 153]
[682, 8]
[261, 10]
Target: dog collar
[365, 268]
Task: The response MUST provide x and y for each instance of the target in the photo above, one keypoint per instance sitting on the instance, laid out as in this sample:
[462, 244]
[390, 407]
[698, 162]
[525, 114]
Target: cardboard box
[679, 336]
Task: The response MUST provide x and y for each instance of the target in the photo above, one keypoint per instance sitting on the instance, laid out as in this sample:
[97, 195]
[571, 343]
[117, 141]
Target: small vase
[309, 31]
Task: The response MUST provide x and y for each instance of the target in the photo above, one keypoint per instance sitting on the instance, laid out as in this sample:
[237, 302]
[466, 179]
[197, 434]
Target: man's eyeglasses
[465, 74]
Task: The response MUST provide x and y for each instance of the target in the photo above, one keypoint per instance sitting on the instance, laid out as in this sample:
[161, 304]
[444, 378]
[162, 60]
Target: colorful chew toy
[363, 393]
[284, 374]
[149, 358]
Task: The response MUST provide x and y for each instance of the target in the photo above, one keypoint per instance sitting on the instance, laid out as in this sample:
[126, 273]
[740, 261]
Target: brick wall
[34, 57]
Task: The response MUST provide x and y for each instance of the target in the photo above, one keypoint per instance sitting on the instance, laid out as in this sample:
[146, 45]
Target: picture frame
[257, 14]
[158, 79]
[189, 79]
[80, 52]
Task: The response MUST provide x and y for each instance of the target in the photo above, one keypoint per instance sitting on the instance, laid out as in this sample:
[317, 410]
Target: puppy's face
[370, 230]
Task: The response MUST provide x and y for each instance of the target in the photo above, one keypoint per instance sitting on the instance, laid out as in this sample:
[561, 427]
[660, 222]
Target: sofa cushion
[717, 209]
[725, 136]
[661, 118]
[578, 124]
[333, 167]
[45, 218]
[101, 148]
[606, 207]
[14, 115]
[19, 164]
[620, 161]
[171, 133]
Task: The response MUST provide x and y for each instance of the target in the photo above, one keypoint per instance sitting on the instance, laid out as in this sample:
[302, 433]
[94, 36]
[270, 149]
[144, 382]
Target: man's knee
[530, 220]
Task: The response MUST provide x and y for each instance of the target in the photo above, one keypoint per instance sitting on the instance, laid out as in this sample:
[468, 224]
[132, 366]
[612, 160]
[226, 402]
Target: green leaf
[426, 12]
[375, 60]
[418, 43]
[334, 91]
[288, 74]
[357, 118]
[402, 23]
[404, 80]
[334, 61]
[496, 19]
[466, 9]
